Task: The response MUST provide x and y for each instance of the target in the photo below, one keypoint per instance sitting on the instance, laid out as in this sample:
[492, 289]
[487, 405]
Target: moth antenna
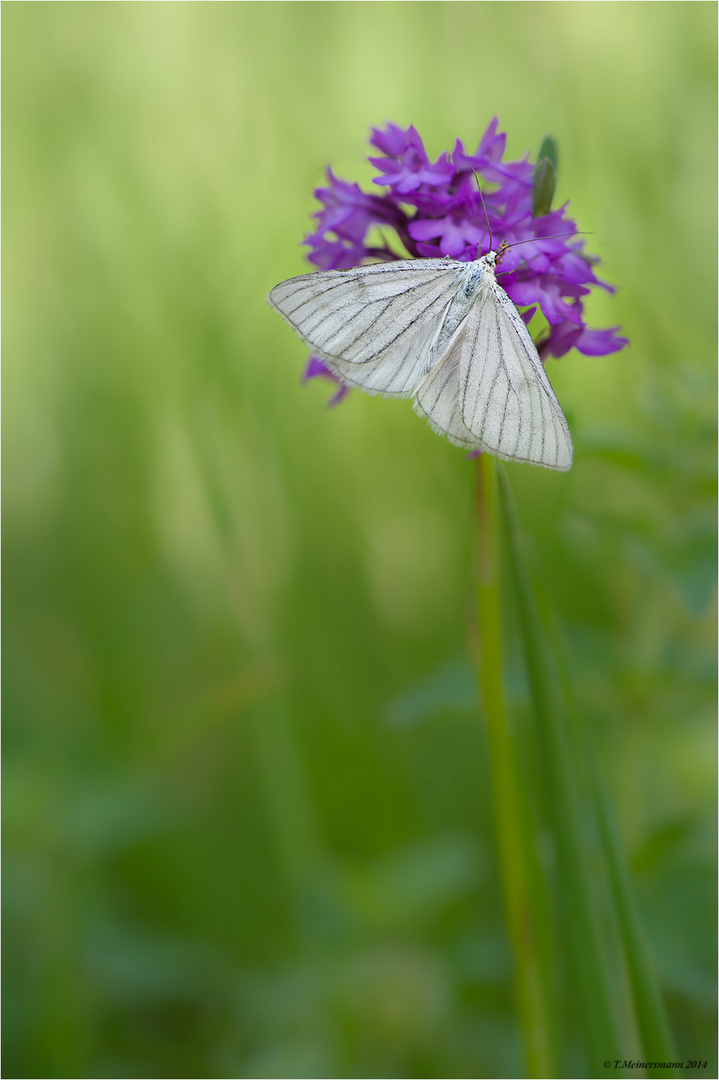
[533, 239]
[526, 262]
[484, 207]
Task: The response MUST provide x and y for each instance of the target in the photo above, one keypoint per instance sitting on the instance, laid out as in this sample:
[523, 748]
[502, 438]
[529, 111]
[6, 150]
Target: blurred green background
[247, 818]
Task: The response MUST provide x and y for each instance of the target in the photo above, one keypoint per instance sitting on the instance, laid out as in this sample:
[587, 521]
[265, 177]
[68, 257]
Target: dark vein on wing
[428, 310]
[496, 374]
[349, 280]
[510, 390]
[471, 351]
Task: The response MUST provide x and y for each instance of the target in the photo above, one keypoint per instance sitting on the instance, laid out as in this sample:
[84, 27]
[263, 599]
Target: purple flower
[405, 167]
[459, 228]
[347, 215]
[433, 208]
[316, 369]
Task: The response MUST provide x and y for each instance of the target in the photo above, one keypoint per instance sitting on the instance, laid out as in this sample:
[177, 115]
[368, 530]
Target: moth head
[501, 250]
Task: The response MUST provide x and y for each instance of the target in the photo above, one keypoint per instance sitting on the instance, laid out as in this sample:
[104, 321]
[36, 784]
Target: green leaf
[545, 177]
[549, 149]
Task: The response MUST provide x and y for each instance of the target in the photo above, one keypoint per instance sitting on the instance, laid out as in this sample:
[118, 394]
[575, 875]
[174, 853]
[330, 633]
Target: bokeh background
[247, 823]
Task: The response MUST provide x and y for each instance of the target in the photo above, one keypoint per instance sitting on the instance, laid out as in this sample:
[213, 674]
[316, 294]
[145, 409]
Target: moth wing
[505, 398]
[489, 390]
[437, 396]
[373, 326]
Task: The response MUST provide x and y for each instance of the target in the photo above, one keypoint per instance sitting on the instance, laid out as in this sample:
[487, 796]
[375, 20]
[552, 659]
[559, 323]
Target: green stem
[519, 873]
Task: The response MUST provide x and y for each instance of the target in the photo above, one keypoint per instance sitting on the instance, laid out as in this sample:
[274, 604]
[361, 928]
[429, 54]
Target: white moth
[443, 332]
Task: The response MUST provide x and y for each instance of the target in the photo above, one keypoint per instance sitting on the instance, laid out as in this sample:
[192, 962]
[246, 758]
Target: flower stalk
[594, 978]
[520, 873]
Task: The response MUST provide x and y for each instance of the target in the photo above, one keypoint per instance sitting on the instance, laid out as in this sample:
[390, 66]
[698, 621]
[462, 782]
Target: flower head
[433, 208]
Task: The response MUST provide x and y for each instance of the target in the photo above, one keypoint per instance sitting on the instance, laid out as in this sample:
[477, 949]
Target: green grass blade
[595, 995]
[654, 1030]
[651, 1017]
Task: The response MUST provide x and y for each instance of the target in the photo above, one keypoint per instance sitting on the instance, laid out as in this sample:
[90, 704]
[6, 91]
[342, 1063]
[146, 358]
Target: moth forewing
[444, 331]
[505, 398]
